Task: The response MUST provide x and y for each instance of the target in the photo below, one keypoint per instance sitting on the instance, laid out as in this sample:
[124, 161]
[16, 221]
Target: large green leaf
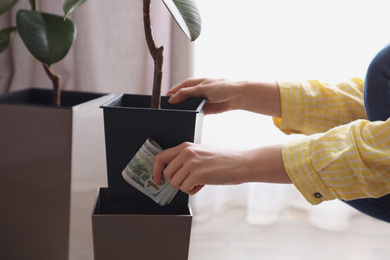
[186, 15]
[48, 37]
[6, 4]
[5, 37]
[70, 5]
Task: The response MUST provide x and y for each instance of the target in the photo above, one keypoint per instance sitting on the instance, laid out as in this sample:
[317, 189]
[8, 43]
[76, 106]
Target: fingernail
[172, 99]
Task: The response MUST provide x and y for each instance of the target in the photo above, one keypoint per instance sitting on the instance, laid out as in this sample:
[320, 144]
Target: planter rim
[143, 215]
[99, 199]
[5, 101]
[111, 104]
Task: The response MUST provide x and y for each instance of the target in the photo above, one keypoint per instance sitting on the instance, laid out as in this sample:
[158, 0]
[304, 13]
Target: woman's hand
[220, 94]
[189, 166]
[224, 95]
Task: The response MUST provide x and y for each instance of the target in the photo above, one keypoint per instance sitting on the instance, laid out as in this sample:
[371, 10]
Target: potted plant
[128, 111]
[42, 131]
[126, 222]
[48, 37]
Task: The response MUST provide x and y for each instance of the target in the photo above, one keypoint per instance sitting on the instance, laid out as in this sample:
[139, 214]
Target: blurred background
[331, 41]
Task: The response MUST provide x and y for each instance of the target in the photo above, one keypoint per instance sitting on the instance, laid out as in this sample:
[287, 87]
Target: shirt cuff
[292, 103]
[297, 162]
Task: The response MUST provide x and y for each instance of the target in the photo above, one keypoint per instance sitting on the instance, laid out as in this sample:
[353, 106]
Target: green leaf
[48, 37]
[70, 5]
[6, 4]
[186, 15]
[5, 37]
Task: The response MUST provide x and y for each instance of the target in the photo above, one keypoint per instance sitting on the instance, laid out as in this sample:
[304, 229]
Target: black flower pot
[128, 122]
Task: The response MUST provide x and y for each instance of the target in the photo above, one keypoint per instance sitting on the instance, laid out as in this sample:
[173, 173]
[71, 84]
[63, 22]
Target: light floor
[227, 236]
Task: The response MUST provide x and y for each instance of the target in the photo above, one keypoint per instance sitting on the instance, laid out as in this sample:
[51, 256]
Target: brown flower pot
[38, 143]
[123, 231]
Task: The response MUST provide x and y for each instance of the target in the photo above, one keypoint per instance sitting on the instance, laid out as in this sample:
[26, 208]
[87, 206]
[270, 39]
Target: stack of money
[139, 173]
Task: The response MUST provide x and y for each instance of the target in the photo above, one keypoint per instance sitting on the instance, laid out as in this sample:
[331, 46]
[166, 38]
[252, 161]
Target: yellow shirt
[346, 156]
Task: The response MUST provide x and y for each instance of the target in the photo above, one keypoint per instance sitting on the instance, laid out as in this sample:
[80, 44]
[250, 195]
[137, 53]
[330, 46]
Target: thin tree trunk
[34, 5]
[157, 55]
[55, 78]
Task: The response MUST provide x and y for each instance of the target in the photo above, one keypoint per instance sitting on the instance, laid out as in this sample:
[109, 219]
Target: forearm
[264, 164]
[258, 97]
[189, 166]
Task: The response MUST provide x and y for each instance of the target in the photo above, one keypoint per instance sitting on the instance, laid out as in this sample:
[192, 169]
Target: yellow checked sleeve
[347, 162]
[314, 107]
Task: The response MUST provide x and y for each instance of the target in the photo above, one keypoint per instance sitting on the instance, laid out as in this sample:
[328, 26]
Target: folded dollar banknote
[139, 174]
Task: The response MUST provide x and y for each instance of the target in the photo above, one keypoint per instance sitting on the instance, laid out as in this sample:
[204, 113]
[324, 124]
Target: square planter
[38, 144]
[128, 122]
[126, 223]
[123, 231]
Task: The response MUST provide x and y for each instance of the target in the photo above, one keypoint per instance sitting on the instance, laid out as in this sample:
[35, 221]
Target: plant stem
[157, 55]
[34, 5]
[55, 78]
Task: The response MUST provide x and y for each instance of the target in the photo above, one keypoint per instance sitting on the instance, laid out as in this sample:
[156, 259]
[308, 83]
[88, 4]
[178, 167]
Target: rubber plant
[186, 15]
[48, 37]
